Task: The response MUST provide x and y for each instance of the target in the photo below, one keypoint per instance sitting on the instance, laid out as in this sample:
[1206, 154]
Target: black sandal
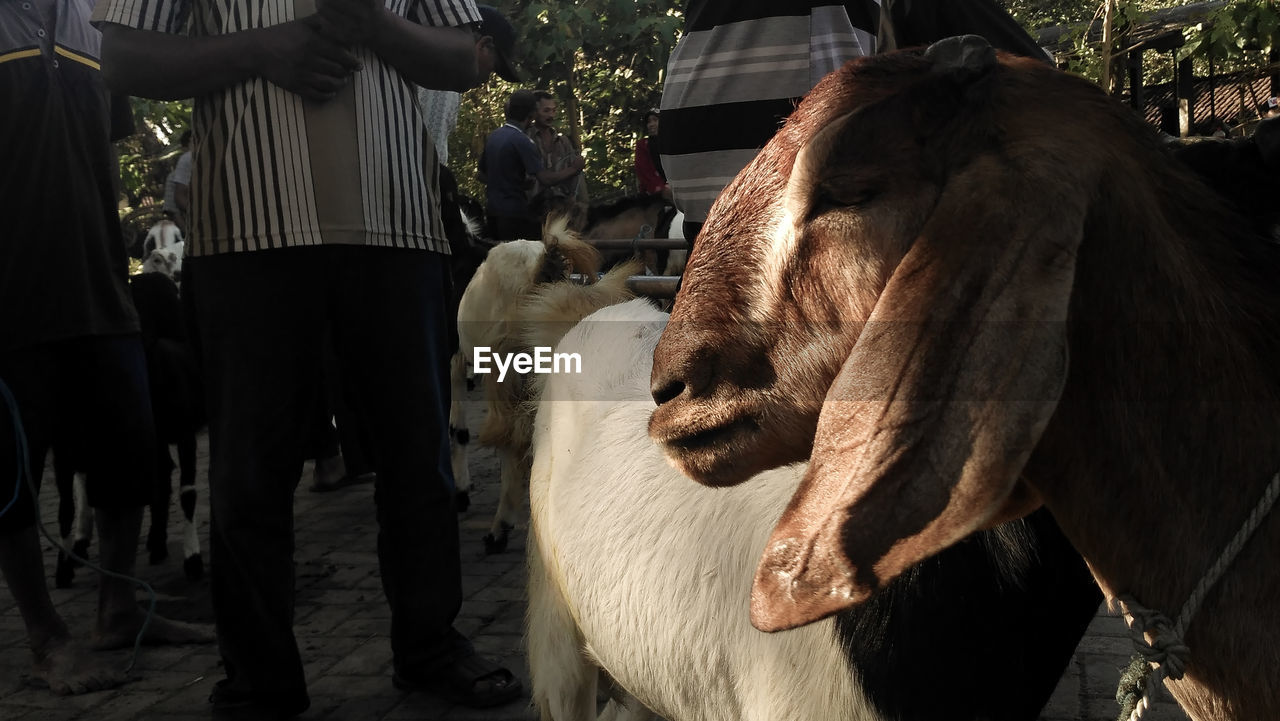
[471, 681]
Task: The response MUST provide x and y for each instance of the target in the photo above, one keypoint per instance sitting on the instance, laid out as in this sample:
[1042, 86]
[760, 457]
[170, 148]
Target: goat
[633, 216]
[75, 520]
[966, 285]
[1244, 171]
[177, 405]
[463, 219]
[163, 250]
[487, 317]
[177, 408]
[636, 572]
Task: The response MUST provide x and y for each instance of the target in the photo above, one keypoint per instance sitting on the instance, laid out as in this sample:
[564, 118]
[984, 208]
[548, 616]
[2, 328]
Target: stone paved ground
[343, 624]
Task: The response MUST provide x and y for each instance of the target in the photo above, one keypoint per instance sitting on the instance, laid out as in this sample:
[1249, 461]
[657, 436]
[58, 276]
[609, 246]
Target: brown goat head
[886, 290]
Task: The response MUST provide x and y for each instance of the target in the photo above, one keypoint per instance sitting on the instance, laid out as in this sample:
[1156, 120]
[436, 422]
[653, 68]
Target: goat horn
[962, 54]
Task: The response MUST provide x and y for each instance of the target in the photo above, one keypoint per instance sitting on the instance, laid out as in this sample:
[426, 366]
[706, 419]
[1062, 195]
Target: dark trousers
[262, 317]
[506, 227]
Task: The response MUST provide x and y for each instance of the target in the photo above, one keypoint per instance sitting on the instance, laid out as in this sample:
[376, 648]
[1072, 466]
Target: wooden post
[1273, 57]
[1108, 43]
[1186, 97]
[1137, 96]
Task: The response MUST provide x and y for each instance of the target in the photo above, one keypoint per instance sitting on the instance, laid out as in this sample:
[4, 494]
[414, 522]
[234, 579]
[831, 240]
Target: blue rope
[19, 444]
[21, 451]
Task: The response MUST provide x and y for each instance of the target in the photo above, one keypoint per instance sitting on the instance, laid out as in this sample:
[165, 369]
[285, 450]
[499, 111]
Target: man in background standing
[177, 187]
[509, 166]
[558, 152]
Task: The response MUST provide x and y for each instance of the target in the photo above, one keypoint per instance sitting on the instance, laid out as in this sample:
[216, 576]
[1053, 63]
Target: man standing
[509, 165]
[557, 152]
[313, 209]
[177, 186]
[742, 65]
[70, 353]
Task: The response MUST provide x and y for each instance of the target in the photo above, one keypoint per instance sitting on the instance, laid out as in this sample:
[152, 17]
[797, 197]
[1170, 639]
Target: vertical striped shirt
[273, 170]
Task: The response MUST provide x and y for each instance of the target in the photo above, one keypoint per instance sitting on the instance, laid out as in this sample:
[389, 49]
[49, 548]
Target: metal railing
[651, 286]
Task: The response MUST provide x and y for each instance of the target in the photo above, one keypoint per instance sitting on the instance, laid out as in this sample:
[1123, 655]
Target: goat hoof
[462, 501]
[66, 572]
[462, 436]
[494, 545]
[193, 568]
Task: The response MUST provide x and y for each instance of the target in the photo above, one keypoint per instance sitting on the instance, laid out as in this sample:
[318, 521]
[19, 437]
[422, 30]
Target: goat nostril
[664, 391]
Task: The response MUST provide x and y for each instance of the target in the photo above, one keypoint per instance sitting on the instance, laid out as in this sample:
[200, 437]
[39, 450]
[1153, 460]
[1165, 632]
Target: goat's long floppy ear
[940, 403]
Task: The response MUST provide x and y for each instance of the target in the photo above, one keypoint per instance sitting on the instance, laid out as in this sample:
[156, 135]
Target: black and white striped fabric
[742, 65]
[271, 170]
[737, 72]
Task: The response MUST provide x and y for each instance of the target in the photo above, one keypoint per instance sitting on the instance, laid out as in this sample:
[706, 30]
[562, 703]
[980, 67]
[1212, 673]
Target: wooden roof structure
[1196, 100]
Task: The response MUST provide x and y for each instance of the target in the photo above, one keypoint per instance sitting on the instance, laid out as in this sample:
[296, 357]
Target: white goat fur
[489, 316]
[639, 571]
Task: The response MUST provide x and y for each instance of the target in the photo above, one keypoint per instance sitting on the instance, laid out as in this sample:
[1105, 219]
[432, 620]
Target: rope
[646, 231]
[21, 451]
[1168, 651]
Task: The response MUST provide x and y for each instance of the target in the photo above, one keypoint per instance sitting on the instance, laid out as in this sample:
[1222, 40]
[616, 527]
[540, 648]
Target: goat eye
[832, 197]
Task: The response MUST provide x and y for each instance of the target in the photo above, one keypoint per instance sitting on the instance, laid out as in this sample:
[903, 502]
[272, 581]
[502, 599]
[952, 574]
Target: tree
[603, 59]
[146, 157]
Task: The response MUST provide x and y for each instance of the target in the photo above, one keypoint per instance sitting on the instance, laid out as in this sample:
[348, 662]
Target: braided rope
[1168, 651]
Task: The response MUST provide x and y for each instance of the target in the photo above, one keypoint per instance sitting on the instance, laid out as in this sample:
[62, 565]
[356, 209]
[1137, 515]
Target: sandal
[470, 681]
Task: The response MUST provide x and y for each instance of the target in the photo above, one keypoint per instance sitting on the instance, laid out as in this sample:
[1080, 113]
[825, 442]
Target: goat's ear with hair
[937, 408]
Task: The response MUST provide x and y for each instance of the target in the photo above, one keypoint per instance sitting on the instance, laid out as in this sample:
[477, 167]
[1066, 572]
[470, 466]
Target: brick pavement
[343, 622]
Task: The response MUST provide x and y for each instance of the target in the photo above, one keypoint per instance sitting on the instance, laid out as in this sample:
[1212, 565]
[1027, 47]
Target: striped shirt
[272, 170]
[742, 66]
[737, 72]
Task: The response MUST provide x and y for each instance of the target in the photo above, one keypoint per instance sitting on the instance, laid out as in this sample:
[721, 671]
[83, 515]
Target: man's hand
[300, 58]
[351, 22]
[578, 162]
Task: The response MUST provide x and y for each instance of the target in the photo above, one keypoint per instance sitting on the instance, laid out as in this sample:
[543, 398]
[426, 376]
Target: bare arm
[441, 58]
[551, 177]
[436, 58]
[160, 65]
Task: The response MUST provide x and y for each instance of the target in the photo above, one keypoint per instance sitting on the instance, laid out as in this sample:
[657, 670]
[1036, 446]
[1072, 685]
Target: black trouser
[507, 227]
[262, 316]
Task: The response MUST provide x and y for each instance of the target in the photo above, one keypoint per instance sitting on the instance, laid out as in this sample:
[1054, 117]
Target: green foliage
[146, 157]
[1243, 32]
[602, 59]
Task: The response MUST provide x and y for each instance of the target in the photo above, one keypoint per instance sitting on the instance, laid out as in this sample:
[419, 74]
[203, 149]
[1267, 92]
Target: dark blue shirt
[509, 159]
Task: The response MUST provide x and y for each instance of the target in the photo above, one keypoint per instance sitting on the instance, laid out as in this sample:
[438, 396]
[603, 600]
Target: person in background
[177, 186]
[333, 229]
[509, 166]
[648, 164]
[718, 110]
[558, 152]
[495, 47]
[71, 355]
